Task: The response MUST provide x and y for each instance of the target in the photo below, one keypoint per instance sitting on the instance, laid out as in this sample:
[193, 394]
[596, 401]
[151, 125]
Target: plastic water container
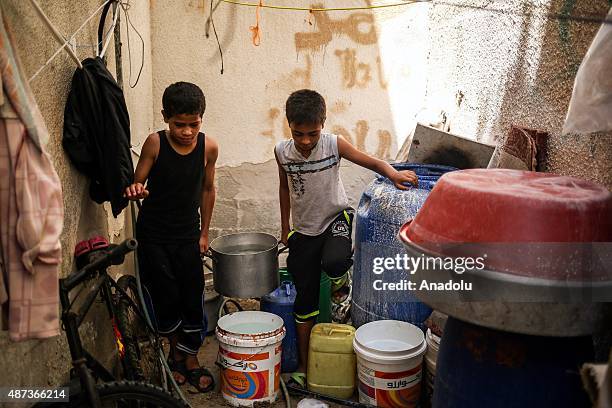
[250, 356]
[331, 360]
[389, 363]
[482, 367]
[382, 210]
[324, 294]
[280, 302]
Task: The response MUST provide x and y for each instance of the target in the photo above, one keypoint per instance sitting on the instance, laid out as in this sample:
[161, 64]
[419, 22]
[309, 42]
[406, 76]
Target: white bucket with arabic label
[389, 363]
[250, 356]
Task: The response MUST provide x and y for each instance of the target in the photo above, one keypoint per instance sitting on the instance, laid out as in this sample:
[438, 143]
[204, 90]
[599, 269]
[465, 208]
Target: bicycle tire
[123, 394]
[141, 345]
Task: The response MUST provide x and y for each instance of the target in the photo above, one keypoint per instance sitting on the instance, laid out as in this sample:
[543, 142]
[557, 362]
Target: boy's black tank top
[171, 212]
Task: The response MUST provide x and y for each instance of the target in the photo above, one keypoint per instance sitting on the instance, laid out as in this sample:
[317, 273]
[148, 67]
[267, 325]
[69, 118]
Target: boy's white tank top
[315, 189]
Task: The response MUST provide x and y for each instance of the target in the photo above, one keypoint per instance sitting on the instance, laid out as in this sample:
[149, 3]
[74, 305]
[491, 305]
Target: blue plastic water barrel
[480, 367]
[280, 302]
[383, 209]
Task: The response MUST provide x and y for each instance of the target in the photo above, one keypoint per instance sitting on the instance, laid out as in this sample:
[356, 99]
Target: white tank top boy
[315, 189]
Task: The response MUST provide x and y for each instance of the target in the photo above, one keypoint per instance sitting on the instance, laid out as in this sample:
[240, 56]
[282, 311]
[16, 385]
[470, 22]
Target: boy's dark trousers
[173, 275]
[330, 251]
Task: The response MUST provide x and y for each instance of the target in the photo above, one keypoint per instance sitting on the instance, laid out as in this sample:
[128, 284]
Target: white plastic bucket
[431, 356]
[389, 363]
[250, 353]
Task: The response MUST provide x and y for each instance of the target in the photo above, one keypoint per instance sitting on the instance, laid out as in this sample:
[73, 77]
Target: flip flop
[297, 380]
[193, 377]
[178, 367]
[340, 290]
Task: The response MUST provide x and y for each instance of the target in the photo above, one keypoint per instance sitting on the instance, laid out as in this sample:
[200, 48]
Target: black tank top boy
[171, 211]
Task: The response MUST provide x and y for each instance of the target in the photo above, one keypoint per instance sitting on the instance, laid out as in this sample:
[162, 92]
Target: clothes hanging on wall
[97, 133]
[31, 208]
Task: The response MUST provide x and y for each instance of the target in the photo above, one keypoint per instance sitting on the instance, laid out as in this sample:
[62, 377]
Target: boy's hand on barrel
[203, 243]
[136, 191]
[401, 178]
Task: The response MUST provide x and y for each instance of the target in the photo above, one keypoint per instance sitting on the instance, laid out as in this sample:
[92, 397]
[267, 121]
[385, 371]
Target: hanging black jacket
[97, 133]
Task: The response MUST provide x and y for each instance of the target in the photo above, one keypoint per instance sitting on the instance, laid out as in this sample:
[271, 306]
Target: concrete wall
[47, 362]
[493, 64]
[370, 67]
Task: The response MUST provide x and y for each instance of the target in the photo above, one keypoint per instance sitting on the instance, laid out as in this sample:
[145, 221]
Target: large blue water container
[383, 209]
[480, 367]
[280, 302]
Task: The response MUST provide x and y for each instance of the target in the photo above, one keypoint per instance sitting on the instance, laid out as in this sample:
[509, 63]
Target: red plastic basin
[489, 206]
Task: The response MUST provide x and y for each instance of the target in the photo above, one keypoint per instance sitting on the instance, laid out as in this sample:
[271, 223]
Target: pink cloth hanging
[31, 209]
[32, 217]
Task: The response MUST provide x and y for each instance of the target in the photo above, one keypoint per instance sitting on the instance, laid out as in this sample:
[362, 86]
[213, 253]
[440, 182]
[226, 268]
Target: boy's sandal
[178, 367]
[339, 296]
[297, 380]
[340, 290]
[194, 376]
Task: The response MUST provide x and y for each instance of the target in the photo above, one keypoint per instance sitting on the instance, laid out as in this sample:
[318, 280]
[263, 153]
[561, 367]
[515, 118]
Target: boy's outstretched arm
[148, 155]
[399, 178]
[283, 198]
[208, 190]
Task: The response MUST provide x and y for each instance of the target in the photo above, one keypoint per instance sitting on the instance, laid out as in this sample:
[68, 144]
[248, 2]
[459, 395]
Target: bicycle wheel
[142, 346]
[123, 394]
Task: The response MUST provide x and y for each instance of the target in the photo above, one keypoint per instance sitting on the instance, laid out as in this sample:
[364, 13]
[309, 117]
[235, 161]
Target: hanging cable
[550, 16]
[108, 35]
[215, 31]
[126, 6]
[68, 41]
[207, 25]
[374, 6]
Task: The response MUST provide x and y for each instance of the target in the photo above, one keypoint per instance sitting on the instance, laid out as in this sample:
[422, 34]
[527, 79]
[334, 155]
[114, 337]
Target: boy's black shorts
[174, 278]
[330, 251]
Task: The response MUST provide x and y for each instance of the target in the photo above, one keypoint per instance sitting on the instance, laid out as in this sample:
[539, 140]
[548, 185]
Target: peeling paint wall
[247, 196]
[497, 63]
[47, 362]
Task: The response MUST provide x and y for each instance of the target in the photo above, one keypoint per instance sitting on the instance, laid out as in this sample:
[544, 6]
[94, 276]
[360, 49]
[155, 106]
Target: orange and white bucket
[389, 363]
[250, 354]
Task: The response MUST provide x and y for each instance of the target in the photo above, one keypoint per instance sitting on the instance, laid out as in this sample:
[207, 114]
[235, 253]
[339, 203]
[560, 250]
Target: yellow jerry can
[331, 360]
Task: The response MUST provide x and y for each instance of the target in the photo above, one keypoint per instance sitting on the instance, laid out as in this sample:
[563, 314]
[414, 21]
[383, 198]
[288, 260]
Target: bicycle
[139, 346]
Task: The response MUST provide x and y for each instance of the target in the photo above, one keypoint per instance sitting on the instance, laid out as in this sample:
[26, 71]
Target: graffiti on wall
[358, 70]
[355, 72]
[361, 133]
[359, 27]
[357, 137]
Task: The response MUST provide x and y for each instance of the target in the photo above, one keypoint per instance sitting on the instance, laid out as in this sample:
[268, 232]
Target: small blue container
[280, 302]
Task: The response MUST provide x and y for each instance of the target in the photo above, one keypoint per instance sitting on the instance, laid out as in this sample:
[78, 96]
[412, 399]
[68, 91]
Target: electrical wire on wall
[210, 18]
[125, 6]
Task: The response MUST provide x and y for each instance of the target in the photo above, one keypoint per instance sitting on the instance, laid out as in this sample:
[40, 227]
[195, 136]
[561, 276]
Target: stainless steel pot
[245, 264]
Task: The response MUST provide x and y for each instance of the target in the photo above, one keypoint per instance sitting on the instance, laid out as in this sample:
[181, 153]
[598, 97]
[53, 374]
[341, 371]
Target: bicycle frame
[83, 362]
